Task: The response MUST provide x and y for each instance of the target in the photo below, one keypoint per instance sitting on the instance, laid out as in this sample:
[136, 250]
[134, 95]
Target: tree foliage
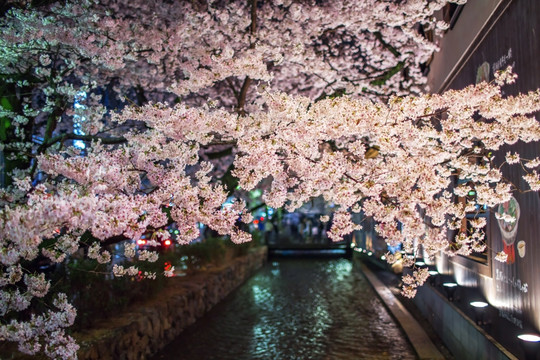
[178, 104]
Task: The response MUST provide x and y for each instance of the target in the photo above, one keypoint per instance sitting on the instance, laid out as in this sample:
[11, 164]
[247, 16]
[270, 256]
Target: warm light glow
[167, 242]
[529, 337]
[450, 284]
[141, 242]
[479, 304]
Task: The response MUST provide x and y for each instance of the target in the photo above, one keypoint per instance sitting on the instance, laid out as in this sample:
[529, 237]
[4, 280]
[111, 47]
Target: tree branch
[242, 96]
[71, 136]
[253, 27]
[247, 80]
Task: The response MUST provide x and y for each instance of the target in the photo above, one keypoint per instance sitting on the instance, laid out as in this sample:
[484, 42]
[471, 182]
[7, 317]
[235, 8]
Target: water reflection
[296, 309]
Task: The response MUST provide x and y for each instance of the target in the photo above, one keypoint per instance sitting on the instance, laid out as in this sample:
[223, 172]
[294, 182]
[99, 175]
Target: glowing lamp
[141, 242]
[167, 242]
[479, 304]
[479, 311]
[420, 263]
[529, 337]
[530, 344]
[432, 277]
[450, 288]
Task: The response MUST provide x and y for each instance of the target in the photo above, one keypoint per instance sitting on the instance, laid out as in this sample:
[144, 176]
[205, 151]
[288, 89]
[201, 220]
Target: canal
[296, 308]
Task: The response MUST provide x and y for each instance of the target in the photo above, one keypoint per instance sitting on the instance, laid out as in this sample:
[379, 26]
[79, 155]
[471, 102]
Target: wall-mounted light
[530, 344]
[529, 337]
[479, 311]
[433, 277]
[479, 304]
[450, 288]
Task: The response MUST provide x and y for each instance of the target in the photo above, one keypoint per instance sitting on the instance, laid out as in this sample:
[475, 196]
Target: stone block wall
[145, 329]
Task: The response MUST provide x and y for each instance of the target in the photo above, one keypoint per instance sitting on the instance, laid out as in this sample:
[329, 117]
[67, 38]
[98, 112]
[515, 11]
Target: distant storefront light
[78, 120]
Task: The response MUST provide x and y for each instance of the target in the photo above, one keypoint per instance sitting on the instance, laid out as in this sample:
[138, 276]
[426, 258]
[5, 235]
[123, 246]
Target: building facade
[486, 36]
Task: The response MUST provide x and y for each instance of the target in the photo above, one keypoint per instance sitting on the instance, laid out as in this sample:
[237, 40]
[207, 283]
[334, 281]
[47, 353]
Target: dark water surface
[307, 308]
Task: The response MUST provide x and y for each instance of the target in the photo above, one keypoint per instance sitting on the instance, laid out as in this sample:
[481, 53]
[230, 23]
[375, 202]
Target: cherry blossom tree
[310, 98]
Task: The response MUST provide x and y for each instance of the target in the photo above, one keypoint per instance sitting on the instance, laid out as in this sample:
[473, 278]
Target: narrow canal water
[302, 308]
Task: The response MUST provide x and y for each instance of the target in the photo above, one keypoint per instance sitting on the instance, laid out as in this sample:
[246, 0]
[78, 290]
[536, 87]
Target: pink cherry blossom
[308, 99]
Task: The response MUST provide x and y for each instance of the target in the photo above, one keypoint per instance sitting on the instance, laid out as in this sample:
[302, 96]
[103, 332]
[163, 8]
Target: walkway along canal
[296, 308]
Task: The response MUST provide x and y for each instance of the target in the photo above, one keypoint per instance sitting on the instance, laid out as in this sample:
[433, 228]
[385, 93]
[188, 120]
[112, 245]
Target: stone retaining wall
[143, 331]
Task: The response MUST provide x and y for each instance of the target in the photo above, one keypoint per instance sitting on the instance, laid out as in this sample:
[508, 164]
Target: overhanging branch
[71, 136]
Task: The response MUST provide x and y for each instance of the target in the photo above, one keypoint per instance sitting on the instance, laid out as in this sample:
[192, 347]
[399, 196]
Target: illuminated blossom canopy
[310, 98]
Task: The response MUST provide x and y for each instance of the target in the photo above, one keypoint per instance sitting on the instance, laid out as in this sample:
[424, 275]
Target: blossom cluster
[313, 127]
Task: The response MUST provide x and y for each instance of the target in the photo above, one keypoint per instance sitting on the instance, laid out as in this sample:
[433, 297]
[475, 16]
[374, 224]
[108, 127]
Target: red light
[167, 242]
[262, 218]
[168, 266]
[141, 242]
[255, 222]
